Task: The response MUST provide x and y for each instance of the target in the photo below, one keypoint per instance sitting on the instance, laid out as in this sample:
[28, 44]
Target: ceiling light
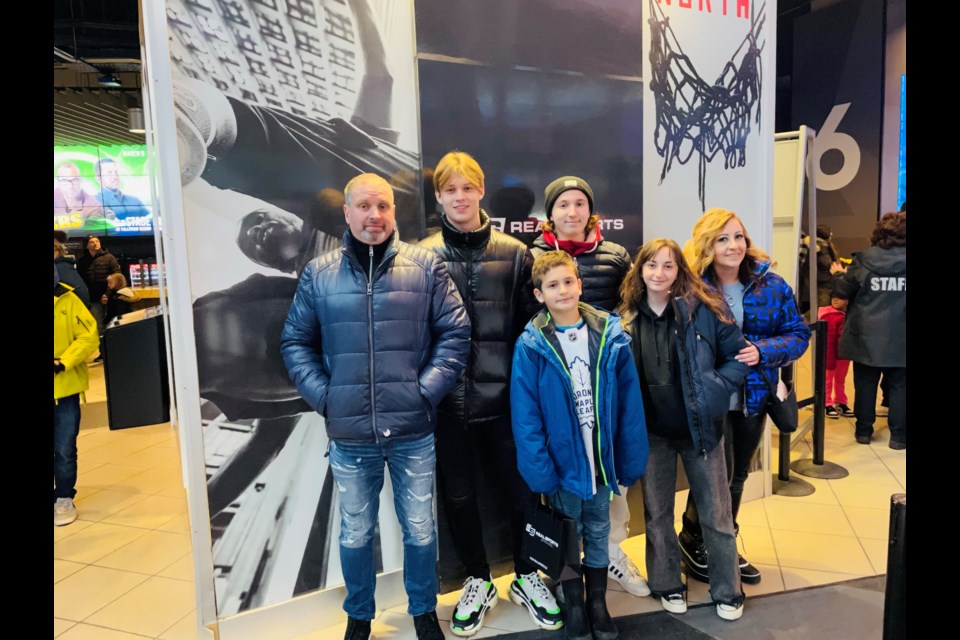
[135, 120]
[109, 80]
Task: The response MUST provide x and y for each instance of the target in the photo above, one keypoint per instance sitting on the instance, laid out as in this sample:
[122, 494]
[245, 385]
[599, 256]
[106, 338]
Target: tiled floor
[124, 569]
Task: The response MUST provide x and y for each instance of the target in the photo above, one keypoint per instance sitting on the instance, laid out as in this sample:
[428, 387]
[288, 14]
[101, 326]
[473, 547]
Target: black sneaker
[694, 555]
[748, 573]
[357, 629]
[846, 411]
[832, 412]
[427, 626]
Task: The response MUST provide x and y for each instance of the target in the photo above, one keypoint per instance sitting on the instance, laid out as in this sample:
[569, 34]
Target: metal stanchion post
[895, 598]
[783, 484]
[817, 467]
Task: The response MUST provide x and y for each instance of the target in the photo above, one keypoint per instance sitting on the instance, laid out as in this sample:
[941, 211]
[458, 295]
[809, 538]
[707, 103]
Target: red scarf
[573, 247]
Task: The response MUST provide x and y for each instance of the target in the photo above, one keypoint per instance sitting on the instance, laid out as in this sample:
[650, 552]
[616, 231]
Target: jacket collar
[476, 239]
[349, 248]
[574, 247]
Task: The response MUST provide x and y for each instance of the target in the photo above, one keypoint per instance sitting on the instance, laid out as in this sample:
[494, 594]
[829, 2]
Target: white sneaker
[478, 597]
[674, 603]
[530, 592]
[730, 611]
[623, 571]
[64, 512]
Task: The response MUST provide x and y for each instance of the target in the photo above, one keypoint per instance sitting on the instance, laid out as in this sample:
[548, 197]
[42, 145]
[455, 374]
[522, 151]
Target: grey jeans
[708, 485]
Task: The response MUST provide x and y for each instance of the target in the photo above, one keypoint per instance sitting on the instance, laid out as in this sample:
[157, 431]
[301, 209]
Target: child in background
[579, 425]
[836, 400]
[118, 297]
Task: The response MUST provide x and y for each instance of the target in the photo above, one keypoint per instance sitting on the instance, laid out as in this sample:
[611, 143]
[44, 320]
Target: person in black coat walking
[875, 333]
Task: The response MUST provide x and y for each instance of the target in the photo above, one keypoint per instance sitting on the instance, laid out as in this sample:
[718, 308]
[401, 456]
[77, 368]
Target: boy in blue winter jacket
[579, 425]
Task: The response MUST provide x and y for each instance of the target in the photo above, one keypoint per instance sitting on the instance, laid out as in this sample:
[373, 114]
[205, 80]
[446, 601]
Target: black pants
[459, 451]
[741, 436]
[865, 380]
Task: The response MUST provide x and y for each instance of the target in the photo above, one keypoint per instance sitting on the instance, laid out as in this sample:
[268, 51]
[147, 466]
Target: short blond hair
[457, 163]
[366, 178]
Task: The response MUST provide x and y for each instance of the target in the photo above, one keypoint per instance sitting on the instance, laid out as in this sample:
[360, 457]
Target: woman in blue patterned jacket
[766, 310]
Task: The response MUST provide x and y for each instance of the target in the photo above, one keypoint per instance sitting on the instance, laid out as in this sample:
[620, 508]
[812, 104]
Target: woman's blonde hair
[699, 248]
[687, 286]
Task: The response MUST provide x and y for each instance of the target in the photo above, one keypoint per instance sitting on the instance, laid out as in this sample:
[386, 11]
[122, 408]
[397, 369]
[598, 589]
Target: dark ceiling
[96, 38]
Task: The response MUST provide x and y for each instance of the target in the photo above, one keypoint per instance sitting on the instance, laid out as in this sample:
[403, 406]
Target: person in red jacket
[836, 400]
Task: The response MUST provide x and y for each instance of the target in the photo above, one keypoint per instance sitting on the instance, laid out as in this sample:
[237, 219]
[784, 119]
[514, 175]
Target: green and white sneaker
[478, 597]
[530, 592]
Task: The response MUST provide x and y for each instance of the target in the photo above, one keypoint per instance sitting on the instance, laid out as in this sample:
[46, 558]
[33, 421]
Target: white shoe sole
[673, 608]
[540, 623]
[466, 633]
[64, 520]
[728, 614]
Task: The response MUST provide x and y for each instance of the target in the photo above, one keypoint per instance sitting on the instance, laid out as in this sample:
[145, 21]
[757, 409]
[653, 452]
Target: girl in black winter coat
[685, 343]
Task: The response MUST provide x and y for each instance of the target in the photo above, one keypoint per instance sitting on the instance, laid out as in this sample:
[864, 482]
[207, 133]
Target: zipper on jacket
[573, 400]
[686, 364]
[373, 391]
[596, 403]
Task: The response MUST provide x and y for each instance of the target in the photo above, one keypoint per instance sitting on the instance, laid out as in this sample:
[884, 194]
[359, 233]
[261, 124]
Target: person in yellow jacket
[74, 340]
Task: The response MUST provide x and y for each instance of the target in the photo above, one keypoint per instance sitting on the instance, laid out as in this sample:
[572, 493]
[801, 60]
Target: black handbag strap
[773, 387]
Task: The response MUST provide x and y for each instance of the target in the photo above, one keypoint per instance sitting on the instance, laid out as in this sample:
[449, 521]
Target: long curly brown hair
[688, 286]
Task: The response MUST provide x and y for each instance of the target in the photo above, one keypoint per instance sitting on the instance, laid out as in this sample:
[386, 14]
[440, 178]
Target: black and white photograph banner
[278, 104]
[708, 112]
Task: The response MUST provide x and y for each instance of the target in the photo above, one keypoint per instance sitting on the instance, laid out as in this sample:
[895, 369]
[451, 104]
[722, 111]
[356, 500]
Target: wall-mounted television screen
[102, 190]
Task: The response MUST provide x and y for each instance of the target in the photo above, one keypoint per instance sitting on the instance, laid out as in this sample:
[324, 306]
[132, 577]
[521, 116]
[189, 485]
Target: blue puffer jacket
[550, 450]
[709, 370]
[772, 322]
[375, 359]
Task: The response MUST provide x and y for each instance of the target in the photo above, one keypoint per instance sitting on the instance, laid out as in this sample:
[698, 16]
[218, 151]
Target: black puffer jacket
[68, 274]
[601, 270]
[376, 358]
[709, 371]
[875, 332]
[492, 273]
[94, 271]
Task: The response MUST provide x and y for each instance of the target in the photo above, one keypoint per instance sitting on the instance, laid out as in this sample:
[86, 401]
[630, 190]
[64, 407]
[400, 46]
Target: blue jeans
[593, 523]
[358, 471]
[708, 486]
[66, 426]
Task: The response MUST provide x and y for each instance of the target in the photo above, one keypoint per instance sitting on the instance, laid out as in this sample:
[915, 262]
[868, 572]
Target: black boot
[694, 555]
[357, 629]
[749, 574]
[597, 614]
[575, 625]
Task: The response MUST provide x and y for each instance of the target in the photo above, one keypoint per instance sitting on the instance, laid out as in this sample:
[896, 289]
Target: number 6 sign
[829, 138]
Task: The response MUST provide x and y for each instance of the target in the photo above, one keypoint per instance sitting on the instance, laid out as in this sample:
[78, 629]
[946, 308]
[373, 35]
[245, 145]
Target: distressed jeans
[358, 472]
[707, 475]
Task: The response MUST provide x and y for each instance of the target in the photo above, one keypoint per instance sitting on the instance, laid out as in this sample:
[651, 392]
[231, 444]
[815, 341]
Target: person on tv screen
[117, 205]
[72, 206]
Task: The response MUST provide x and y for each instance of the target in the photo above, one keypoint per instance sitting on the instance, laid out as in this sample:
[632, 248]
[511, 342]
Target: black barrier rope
[693, 115]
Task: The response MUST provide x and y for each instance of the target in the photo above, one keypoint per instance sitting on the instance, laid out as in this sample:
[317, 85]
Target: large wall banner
[708, 113]
[278, 104]
[838, 90]
[535, 90]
